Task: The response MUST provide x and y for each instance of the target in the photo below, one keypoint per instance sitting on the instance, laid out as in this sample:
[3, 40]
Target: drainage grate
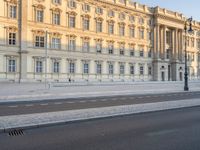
[15, 132]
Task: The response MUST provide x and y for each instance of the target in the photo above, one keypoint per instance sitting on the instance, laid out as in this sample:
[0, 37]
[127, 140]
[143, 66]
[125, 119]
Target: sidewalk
[13, 92]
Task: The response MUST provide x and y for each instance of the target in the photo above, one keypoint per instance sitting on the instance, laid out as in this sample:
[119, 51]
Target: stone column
[22, 40]
[176, 44]
[164, 42]
[157, 41]
[181, 46]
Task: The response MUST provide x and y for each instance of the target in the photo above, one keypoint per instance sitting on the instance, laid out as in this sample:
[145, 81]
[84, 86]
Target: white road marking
[81, 101]
[114, 99]
[45, 104]
[58, 103]
[104, 100]
[29, 105]
[13, 106]
[140, 97]
[70, 102]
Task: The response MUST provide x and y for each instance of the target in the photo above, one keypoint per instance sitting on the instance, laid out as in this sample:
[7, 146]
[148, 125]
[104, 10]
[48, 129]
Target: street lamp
[186, 88]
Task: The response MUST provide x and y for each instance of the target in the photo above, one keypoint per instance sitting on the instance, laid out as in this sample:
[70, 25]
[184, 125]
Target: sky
[186, 7]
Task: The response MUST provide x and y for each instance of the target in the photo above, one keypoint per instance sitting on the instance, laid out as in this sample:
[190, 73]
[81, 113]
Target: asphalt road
[165, 130]
[17, 108]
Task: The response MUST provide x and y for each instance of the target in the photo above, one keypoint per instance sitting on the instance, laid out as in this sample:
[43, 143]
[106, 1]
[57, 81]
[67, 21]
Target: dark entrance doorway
[163, 76]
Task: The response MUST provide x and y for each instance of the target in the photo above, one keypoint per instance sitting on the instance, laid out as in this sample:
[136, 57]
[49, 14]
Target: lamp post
[189, 20]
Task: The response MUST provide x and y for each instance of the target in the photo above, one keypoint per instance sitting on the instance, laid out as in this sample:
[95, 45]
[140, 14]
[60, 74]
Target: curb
[54, 118]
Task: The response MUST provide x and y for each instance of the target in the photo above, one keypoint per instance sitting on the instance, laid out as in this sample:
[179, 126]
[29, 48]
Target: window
[121, 30]
[72, 4]
[141, 33]
[72, 21]
[11, 65]
[86, 46]
[110, 69]
[198, 44]
[39, 41]
[132, 70]
[98, 67]
[110, 48]
[132, 32]
[149, 53]
[72, 44]
[98, 47]
[141, 70]
[149, 70]
[86, 8]
[122, 16]
[141, 21]
[111, 13]
[99, 10]
[57, 2]
[13, 11]
[39, 15]
[39, 66]
[131, 18]
[192, 42]
[132, 53]
[121, 50]
[56, 18]
[86, 23]
[71, 67]
[55, 43]
[111, 28]
[99, 26]
[12, 39]
[121, 69]
[141, 53]
[85, 68]
[168, 54]
[56, 67]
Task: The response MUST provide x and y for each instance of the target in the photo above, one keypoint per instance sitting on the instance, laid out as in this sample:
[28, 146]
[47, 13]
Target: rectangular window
[110, 69]
[111, 13]
[39, 66]
[121, 30]
[56, 18]
[111, 28]
[149, 70]
[86, 68]
[86, 8]
[99, 10]
[132, 70]
[13, 11]
[86, 24]
[71, 67]
[150, 53]
[39, 15]
[132, 32]
[141, 53]
[86, 46]
[12, 39]
[98, 47]
[39, 41]
[141, 70]
[72, 4]
[99, 26]
[72, 44]
[72, 21]
[12, 65]
[55, 43]
[132, 53]
[110, 49]
[57, 1]
[121, 69]
[141, 33]
[98, 69]
[168, 37]
[56, 67]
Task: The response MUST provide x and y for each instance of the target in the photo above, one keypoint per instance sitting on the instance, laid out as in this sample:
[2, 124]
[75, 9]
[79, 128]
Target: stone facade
[90, 40]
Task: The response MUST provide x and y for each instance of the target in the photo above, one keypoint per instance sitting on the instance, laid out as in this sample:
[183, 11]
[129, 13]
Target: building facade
[94, 40]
